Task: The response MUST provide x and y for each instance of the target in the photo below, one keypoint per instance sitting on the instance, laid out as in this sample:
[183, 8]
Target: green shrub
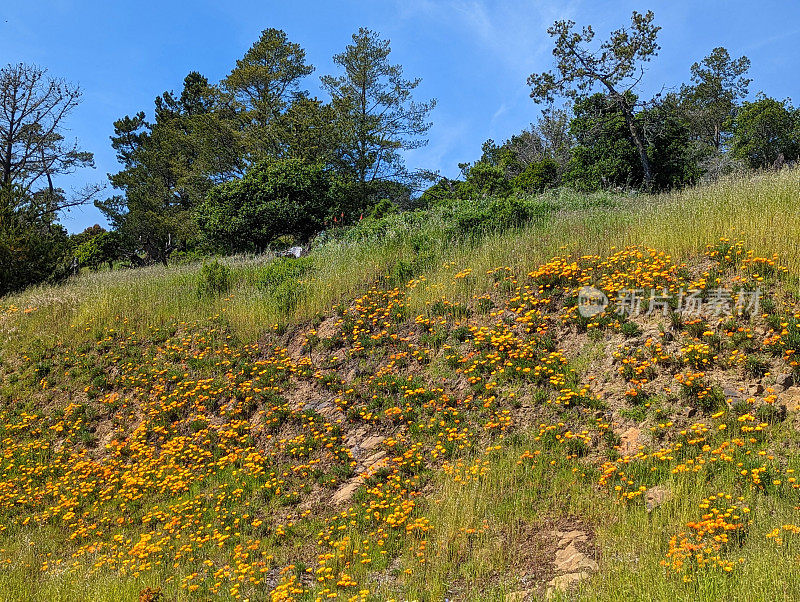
[756, 366]
[537, 176]
[279, 271]
[484, 179]
[383, 208]
[499, 215]
[282, 278]
[214, 279]
[274, 198]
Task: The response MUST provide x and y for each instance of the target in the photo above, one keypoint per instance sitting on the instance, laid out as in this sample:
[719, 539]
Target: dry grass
[761, 209]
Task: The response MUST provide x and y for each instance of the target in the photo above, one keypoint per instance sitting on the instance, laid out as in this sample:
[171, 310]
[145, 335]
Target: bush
[101, 248]
[765, 130]
[273, 199]
[282, 278]
[499, 215]
[537, 176]
[484, 179]
[214, 280]
[383, 208]
[443, 190]
[31, 245]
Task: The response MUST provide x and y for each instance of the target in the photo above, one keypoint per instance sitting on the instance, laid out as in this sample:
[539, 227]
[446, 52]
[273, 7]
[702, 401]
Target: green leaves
[274, 198]
[616, 67]
[766, 130]
[264, 84]
[374, 111]
[169, 166]
[719, 83]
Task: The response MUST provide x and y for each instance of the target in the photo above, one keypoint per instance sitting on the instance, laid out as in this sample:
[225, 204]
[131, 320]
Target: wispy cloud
[512, 30]
[501, 110]
[445, 136]
[512, 34]
[771, 40]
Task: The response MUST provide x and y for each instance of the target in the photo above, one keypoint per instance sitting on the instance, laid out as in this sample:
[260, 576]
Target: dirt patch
[536, 548]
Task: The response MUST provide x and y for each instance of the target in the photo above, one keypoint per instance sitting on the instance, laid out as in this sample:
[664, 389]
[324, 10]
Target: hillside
[419, 410]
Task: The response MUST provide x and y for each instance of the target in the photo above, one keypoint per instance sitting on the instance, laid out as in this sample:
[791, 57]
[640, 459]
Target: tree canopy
[374, 110]
[617, 66]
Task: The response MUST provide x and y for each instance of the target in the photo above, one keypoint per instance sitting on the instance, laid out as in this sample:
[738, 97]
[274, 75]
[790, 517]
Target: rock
[373, 459]
[371, 443]
[756, 389]
[291, 252]
[345, 492]
[328, 411]
[570, 537]
[790, 399]
[354, 438]
[731, 393]
[519, 596]
[655, 496]
[570, 560]
[328, 328]
[785, 380]
[629, 441]
[563, 583]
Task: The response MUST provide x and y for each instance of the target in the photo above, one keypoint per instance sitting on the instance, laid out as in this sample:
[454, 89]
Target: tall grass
[762, 209]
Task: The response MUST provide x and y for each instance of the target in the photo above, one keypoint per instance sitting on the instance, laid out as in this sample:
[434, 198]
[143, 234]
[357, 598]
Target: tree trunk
[619, 99]
[8, 151]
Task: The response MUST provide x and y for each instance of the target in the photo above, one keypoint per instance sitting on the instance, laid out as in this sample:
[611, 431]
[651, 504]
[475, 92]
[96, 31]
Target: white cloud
[514, 31]
[501, 110]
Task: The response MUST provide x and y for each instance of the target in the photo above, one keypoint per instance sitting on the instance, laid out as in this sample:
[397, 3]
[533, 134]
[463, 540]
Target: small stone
[570, 537]
[371, 443]
[756, 389]
[353, 439]
[374, 458]
[790, 399]
[655, 496]
[731, 393]
[570, 559]
[345, 492]
[784, 380]
[328, 411]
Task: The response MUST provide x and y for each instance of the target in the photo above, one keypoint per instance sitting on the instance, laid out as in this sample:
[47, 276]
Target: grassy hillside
[417, 411]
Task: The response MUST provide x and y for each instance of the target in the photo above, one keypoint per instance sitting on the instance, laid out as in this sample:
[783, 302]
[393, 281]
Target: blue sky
[472, 55]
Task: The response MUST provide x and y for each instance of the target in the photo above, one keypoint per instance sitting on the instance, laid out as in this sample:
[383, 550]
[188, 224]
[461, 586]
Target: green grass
[760, 209]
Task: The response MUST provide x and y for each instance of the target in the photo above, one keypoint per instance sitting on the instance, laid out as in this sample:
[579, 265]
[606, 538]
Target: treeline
[232, 166]
[606, 137]
[220, 167]
[255, 161]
